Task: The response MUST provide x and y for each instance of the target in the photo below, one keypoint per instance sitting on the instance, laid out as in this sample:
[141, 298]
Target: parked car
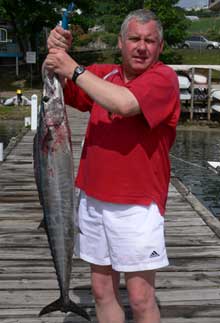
[200, 42]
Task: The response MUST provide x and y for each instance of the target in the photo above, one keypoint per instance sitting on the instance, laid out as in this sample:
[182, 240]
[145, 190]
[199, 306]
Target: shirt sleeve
[157, 93]
[76, 97]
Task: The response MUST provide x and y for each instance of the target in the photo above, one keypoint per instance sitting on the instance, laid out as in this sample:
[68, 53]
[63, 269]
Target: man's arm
[112, 97]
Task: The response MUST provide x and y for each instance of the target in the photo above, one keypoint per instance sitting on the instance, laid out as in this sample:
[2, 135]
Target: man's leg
[141, 292]
[105, 286]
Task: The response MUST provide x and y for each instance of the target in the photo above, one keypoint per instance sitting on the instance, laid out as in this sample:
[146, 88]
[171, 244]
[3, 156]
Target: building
[214, 5]
[8, 44]
[10, 52]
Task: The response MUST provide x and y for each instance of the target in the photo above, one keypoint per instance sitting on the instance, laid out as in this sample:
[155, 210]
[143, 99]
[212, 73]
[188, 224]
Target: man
[124, 169]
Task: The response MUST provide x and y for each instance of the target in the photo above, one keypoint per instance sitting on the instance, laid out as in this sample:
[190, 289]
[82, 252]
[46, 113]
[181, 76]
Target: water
[9, 129]
[189, 158]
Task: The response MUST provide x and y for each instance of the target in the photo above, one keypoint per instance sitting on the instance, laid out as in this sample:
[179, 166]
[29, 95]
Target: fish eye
[45, 98]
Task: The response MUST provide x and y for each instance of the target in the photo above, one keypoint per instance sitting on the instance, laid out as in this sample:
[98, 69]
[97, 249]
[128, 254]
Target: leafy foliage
[172, 18]
[207, 26]
[108, 13]
[29, 17]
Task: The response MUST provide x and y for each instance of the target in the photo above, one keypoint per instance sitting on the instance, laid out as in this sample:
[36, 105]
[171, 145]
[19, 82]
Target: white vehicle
[200, 42]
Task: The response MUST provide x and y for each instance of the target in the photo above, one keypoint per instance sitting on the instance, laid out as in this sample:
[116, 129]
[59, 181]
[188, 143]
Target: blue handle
[65, 17]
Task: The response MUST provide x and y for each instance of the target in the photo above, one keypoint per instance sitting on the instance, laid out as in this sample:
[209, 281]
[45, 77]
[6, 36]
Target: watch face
[80, 69]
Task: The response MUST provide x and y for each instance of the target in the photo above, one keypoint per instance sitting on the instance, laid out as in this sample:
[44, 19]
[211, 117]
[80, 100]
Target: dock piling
[1, 152]
[34, 112]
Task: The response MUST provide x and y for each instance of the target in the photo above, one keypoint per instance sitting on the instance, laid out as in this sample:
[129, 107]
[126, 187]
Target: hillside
[203, 25]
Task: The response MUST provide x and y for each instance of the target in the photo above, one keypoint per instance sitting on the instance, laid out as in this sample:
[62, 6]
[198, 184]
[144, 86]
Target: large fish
[54, 174]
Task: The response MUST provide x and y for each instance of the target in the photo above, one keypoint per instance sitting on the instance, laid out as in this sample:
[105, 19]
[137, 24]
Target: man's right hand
[59, 38]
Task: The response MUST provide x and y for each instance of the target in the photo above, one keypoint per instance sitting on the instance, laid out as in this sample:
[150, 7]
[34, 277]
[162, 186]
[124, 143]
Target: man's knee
[141, 291]
[103, 285]
[142, 301]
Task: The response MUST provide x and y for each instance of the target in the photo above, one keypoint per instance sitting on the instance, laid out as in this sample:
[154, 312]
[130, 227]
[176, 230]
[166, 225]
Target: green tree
[29, 17]
[172, 18]
[112, 13]
[175, 27]
[108, 14]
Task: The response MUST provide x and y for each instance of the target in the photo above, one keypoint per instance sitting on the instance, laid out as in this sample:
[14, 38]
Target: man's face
[140, 47]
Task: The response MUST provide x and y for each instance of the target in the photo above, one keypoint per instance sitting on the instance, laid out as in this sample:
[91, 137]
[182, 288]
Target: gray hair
[142, 16]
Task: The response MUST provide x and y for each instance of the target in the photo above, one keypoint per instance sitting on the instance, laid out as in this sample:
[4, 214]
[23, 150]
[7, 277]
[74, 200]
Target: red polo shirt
[126, 159]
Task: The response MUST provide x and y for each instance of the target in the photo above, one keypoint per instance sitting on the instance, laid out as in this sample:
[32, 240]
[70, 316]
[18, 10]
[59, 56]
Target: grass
[203, 57]
[14, 112]
[10, 82]
[197, 57]
[203, 25]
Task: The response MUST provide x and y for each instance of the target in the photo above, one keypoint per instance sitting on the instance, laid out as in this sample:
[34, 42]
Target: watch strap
[78, 71]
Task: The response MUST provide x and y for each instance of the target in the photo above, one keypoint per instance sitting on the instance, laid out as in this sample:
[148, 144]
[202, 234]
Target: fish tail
[73, 307]
[59, 305]
[55, 306]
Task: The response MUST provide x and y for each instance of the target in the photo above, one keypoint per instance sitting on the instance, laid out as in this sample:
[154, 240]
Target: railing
[191, 72]
[214, 4]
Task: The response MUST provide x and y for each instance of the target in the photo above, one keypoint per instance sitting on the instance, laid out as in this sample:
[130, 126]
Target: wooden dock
[188, 291]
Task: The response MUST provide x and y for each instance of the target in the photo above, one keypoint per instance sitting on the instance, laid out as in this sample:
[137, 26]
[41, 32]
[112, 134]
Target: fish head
[52, 100]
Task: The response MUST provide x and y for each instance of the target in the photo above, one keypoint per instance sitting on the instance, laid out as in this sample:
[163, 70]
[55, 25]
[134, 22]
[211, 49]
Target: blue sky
[192, 3]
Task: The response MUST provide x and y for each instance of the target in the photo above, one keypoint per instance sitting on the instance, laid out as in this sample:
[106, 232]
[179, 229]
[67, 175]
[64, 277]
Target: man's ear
[161, 46]
[119, 42]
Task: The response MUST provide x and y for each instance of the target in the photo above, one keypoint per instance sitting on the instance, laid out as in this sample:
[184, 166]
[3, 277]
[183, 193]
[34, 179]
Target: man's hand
[59, 62]
[59, 38]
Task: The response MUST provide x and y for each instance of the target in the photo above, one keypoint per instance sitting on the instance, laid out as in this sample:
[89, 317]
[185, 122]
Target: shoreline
[212, 126]
[18, 113]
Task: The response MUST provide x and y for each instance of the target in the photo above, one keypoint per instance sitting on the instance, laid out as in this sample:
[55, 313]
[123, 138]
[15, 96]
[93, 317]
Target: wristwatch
[78, 71]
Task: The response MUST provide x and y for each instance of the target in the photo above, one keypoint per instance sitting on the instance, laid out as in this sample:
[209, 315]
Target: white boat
[184, 82]
[185, 95]
[215, 94]
[216, 106]
[214, 166]
[14, 101]
[199, 79]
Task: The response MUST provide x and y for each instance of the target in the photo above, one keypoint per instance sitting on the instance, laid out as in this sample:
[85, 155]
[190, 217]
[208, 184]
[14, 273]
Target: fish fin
[58, 305]
[73, 307]
[41, 225]
[55, 306]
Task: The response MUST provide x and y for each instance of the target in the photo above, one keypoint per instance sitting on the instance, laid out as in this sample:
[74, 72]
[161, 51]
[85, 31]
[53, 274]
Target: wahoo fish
[54, 174]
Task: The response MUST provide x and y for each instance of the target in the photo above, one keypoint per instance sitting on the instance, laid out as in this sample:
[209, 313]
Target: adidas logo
[154, 254]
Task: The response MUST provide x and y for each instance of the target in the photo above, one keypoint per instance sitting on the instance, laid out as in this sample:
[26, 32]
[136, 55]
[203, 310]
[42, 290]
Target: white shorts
[128, 237]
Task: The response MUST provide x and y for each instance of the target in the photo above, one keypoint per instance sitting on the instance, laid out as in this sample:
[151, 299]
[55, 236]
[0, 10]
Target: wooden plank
[38, 298]
[173, 252]
[187, 240]
[32, 239]
[45, 265]
[71, 318]
[196, 231]
[24, 225]
[80, 279]
[192, 264]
